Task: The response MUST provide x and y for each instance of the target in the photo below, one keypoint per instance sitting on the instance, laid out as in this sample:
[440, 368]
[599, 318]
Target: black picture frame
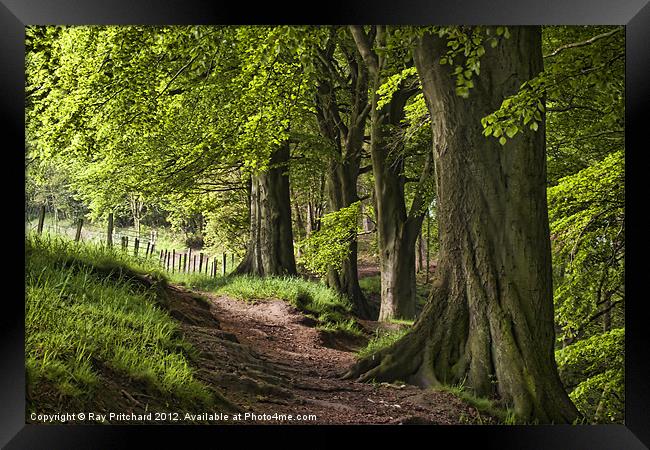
[16, 14]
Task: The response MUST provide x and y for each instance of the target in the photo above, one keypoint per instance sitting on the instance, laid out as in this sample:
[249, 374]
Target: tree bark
[270, 249]
[489, 319]
[419, 246]
[136, 211]
[397, 228]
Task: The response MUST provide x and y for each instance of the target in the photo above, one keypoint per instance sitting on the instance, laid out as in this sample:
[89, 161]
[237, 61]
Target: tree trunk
[136, 212]
[270, 249]
[300, 224]
[397, 229]
[342, 191]
[489, 320]
[346, 135]
[419, 247]
[397, 259]
[607, 314]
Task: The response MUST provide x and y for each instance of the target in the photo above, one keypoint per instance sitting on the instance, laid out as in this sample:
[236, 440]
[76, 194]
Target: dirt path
[267, 358]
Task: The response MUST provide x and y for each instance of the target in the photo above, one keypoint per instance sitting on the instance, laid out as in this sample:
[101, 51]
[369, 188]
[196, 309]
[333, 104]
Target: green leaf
[511, 131]
[502, 140]
[462, 91]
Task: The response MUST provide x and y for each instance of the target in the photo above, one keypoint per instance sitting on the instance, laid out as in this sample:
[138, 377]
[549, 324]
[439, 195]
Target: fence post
[173, 259]
[77, 236]
[232, 260]
[200, 262]
[214, 268]
[109, 231]
[41, 219]
[180, 262]
[137, 246]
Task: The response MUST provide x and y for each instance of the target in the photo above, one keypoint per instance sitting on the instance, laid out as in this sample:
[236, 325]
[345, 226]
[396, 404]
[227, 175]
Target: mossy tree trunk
[270, 248]
[489, 320]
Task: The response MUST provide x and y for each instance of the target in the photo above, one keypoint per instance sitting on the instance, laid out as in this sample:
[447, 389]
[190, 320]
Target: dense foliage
[329, 246]
[586, 173]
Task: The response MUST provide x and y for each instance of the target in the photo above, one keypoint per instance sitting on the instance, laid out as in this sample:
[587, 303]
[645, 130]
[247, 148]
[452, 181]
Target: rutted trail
[266, 357]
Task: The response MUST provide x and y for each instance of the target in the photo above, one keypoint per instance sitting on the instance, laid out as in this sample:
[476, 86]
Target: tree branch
[365, 169]
[583, 43]
[363, 44]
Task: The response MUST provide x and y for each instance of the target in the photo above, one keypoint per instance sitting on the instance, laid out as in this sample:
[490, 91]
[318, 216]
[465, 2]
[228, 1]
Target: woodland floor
[267, 357]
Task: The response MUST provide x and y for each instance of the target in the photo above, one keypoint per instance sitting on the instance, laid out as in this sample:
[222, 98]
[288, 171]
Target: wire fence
[144, 245]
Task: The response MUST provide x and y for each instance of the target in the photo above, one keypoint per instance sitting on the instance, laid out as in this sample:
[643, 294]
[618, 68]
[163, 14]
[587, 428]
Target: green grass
[382, 339]
[331, 310]
[84, 314]
[405, 322]
[371, 285]
[482, 405]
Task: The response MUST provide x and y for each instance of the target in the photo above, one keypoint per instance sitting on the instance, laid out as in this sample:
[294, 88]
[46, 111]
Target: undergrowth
[332, 311]
[371, 285]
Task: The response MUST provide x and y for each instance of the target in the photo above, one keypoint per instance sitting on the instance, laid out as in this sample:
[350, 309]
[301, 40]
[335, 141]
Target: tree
[343, 87]
[397, 228]
[489, 319]
[160, 111]
[270, 248]
[277, 79]
[585, 68]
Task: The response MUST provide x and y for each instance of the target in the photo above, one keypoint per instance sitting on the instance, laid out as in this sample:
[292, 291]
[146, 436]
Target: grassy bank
[86, 316]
